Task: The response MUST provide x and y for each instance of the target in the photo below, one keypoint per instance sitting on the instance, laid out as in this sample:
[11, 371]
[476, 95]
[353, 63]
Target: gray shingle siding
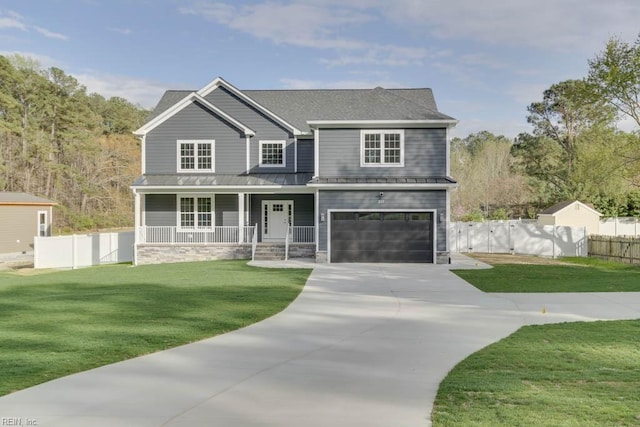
[160, 209]
[425, 154]
[226, 210]
[195, 122]
[266, 129]
[305, 155]
[400, 200]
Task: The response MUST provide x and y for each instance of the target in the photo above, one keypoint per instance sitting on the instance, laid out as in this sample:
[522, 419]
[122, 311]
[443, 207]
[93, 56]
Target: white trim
[382, 133]
[136, 221]
[219, 81]
[338, 124]
[195, 143]
[241, 223]
[316, 153]
[143, 148]
[196, 196]
[283, 143]
[295, 154]
[248, 148]
[270, 203]
[434, 220]
[316, 218]
[184, 102]
[46, 223]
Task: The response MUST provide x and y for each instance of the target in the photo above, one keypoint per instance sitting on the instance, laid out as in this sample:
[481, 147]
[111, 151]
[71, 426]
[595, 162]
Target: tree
[614, 75]
[482, 164]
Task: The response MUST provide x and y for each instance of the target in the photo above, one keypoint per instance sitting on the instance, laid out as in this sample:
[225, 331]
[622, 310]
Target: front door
[276, 215]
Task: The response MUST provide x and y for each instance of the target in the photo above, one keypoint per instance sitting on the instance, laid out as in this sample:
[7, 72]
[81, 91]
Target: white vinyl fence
[517, 237]
[83, 250]
[627, 226]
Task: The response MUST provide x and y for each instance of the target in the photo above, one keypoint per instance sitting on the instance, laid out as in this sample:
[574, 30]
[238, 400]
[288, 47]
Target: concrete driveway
[363, 345]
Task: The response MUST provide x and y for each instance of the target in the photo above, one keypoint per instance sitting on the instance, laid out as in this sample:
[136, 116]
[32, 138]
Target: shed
[23, 216]
[571, 214]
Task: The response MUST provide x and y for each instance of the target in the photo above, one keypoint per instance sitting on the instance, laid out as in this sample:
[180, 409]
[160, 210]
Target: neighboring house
[23, 216]
[571, 214]
[356, 175]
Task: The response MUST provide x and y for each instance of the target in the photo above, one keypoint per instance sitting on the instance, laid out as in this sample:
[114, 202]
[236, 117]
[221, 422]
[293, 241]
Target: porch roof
[383, 180]
[218, 180]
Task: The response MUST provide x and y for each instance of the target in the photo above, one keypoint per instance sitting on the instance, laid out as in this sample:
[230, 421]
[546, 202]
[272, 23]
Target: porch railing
[303, 234]
[176, 235]
[223, 234]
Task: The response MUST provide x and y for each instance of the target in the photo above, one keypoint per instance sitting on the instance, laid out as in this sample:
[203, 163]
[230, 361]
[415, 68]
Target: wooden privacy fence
[620, 249]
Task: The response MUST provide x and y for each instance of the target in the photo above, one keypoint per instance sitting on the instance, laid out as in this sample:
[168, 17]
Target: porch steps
[269, 252]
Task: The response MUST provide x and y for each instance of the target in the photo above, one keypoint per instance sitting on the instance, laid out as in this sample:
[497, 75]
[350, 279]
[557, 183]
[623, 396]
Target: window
[272, 154]
[195, 155]
[382, 148]
[195, 212]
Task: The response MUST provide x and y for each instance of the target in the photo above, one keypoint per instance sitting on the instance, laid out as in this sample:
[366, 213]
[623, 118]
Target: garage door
[381, 237]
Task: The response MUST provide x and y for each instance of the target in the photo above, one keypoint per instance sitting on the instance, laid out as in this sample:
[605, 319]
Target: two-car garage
[381, 236]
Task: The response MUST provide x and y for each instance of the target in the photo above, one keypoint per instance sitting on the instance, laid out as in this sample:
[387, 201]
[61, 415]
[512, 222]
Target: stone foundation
[321, 257]
[302, 250]
[442, 257]
[159, 254]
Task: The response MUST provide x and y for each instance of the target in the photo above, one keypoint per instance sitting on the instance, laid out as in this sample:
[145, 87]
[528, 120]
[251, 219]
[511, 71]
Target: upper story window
[196, 155]
[272, 154]
[382, 148]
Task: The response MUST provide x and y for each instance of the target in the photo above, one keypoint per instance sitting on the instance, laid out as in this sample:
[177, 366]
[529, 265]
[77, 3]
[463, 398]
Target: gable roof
[11, 198]
[299, 107]
[552, 210]
[179, 105]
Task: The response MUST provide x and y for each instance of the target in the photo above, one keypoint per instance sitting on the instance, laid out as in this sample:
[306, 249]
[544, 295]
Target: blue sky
[485, 60]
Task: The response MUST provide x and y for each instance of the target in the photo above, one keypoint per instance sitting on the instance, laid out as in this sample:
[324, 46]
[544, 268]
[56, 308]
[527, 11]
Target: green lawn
[58, 323]
[570, 374]
[585, 275]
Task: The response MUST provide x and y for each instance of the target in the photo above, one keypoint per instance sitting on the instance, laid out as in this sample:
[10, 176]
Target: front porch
[204, 226]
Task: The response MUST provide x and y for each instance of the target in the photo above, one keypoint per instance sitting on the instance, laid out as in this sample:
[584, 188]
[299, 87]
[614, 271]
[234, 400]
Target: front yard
[569, 374]
[58, 323]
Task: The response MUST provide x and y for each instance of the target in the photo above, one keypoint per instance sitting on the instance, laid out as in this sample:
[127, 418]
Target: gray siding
[226, 209]
[195, 122]
[265, 128]
[356, 200]
[160, 210]
[303, 206]
[305, 155]
[425, 154]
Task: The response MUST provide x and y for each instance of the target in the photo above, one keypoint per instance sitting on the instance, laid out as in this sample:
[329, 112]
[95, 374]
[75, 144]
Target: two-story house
[359, 175]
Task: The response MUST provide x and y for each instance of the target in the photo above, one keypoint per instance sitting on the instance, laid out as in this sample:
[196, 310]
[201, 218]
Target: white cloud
[10, 19]
[123, 31]
[561, 25]
[307, 24]
[50, 34]
[138, 91]
[297, 24]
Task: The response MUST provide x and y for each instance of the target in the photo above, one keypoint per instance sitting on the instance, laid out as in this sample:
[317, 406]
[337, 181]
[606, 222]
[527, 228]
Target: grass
[570, 374]
[582, 275]
[59, 323]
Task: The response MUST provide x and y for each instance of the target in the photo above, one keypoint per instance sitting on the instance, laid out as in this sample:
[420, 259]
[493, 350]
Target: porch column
[240, 217]
[136, 231]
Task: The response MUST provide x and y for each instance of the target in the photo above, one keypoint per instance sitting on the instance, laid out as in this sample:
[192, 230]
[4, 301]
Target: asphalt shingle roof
[299, 106]
[7, 197]
[223, 180]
